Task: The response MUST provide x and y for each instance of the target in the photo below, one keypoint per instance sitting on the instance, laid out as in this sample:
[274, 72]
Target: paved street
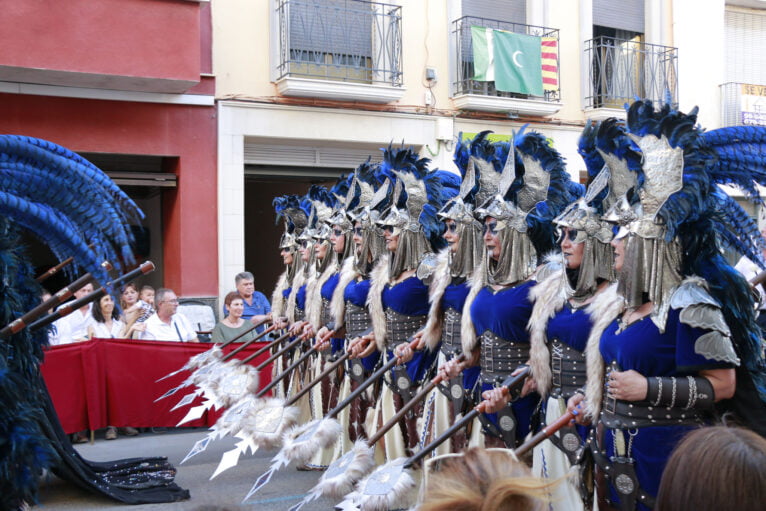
[225, 492]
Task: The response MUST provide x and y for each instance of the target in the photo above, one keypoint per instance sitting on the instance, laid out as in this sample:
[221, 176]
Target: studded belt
[640, 414]
[326, 316]
[567, 369]
[500, 357]
[451, 332]
[357, 320]
[400, 327]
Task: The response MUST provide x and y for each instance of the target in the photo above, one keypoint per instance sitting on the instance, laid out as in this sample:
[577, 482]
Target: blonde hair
[485, 480]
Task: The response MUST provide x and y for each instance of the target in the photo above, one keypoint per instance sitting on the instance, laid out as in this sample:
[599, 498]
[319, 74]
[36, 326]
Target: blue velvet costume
[410, 297]
[328, 288]
[356, 293]
[641, 347]
[505, 313]
[572, 327]
[454, 298]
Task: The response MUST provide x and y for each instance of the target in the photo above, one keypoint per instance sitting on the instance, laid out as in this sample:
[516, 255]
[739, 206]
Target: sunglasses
[451, 227]
[304, 243]
[571, 235]
[337, 232]
[388, 229]
[357, 231]
[490, 227]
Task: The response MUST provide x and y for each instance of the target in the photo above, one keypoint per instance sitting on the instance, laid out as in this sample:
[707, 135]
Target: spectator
[147, 295]
[232, 325]
[74, 327]
[484, 480]
[106, 322]
[715, 468]
[256, 305]
[165, 324]
[107, 325]
[134, 311]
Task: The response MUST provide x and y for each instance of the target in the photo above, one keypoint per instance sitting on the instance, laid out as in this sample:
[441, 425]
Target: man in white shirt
[165, 324]
[74, 327]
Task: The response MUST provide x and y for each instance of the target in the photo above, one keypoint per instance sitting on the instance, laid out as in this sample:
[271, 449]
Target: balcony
[471, 94]
[340, 49]
[621, 70]
[743, 104]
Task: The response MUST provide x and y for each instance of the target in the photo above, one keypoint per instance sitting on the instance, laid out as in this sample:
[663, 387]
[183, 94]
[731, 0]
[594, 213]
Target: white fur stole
[432, 332]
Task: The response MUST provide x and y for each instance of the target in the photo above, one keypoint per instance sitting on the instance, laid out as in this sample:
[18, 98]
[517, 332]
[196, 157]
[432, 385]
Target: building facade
[128, 84]
[307, 89]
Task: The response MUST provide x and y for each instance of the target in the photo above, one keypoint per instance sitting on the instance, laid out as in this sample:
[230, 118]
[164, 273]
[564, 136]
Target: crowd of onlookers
[147, 314]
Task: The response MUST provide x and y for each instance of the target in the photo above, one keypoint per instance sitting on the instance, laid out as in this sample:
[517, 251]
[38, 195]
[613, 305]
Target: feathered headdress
[532, 190]
[416, 197]
[76, 210]
[470, 158]
[686, 218]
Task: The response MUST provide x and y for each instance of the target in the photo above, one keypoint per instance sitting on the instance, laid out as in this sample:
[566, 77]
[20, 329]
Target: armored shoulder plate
[427, 267]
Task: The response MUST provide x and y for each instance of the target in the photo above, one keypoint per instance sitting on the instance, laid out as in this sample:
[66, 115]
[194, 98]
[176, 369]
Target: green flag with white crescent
[517, 63]
[483, 55]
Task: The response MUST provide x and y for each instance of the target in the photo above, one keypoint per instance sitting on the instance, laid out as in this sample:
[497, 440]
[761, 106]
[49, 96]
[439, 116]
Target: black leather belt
[400, 327]
[357, 320]
[567, 369]
[640, 414]
[500, 357]
[451, 332]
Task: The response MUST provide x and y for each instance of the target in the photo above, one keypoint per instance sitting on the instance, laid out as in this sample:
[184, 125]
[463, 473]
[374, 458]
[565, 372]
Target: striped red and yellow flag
[550, 54]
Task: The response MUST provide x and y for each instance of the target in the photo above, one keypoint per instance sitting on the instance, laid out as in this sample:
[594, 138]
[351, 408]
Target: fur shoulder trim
[432, 333]
[338, 304]
[277, 298]
[298, 281]
[379, 278]
[604, 309]
[467, 330]
[548, 297]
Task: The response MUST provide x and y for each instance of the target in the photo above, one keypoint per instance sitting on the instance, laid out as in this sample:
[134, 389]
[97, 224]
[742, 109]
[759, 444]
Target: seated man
[165, 324]
[257, 306]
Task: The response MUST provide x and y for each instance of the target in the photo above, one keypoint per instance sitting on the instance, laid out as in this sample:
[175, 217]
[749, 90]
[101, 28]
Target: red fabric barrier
[113, 382]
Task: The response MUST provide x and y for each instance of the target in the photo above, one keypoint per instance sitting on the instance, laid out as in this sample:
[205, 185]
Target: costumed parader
[560, 323]
[448, 291]
[50, 192]
[348, 305]
[398, 296]
[518, 205]
[319, 287]
[289, 209]
[675, 339]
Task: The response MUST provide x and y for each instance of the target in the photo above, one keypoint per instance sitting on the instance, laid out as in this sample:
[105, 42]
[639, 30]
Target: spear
[287, 371]
[343, 473]
[215, 352]
[60, 297]
[72, 306]
[302, 442]
[392, 485]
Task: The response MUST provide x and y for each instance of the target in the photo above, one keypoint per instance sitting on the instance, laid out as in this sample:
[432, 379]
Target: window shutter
[622, 15]
[514, 11]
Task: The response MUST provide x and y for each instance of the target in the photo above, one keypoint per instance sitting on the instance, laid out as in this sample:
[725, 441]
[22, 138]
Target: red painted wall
[185, 132]
[141, 38]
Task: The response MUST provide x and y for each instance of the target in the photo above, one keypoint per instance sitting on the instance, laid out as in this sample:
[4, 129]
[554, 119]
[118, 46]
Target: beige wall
[243, 51]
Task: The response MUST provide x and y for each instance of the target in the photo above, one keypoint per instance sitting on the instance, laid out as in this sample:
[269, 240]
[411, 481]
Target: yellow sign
[753, 104]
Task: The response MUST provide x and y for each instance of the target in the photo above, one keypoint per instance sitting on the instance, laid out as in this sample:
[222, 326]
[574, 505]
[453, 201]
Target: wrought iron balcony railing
[464, 58]
[743, 104]
[340, 40]
[622, 70]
